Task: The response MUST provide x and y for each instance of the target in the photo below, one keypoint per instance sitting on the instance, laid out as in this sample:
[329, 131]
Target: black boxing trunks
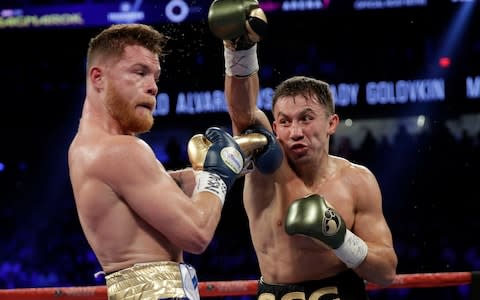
[153, 281]
[343, 286]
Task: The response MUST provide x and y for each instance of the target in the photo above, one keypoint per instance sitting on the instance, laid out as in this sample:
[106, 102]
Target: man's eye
[307, 118]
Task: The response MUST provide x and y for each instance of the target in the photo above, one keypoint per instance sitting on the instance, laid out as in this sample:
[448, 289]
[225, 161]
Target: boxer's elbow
[199, 241]
[196, 249]
[379, 269]
[392, 271]
[389, 273]
[387, 278]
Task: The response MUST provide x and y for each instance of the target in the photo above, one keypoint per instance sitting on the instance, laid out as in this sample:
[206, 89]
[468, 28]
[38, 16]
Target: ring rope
[232, 288]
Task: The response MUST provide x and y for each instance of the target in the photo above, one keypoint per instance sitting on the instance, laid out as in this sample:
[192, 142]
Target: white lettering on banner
[211, 102]
[125, 16]
[402, 91]
[182, 106]
[345, 94]
[200, 102]
[473, 87]
[382, 4]
[162, 107]
[291, 5]
[265, 98]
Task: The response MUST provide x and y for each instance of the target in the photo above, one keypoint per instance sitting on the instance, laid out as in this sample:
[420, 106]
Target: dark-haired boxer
[316, 222]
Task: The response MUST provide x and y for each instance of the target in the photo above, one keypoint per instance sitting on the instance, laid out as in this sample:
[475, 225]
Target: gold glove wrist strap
[212, 183]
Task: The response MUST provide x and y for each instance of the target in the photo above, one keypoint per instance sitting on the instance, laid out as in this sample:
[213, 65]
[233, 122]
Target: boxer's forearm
[185, 179]
[379, 267]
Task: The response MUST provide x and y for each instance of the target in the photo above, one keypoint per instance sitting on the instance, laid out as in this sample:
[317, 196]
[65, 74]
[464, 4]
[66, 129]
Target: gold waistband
[146, 281]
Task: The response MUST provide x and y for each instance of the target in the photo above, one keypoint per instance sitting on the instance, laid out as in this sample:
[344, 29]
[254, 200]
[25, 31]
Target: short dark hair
[305, 86]
[111, 41]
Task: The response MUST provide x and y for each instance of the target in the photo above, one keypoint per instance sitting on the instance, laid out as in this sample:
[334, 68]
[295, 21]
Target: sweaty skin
[303, 128]
[130, 208]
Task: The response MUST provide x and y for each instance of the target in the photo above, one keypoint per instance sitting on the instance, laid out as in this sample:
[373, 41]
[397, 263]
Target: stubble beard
[122, 110]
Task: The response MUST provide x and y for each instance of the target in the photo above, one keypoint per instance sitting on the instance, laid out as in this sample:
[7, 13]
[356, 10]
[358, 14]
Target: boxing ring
[245, 287]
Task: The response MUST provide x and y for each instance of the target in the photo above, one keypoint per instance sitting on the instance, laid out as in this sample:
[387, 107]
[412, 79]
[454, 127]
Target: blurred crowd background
[425, 155]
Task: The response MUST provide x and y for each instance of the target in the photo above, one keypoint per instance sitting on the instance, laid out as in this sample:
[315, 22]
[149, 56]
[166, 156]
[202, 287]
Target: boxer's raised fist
[240, 23]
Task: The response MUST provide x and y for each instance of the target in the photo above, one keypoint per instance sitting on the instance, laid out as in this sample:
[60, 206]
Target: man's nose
[296, 131]
[152, 87]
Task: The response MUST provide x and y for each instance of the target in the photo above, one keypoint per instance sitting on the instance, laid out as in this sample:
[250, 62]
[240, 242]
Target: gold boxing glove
[198, 147]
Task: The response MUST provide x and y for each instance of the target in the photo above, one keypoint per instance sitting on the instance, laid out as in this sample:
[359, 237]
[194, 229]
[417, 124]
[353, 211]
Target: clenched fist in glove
[311, 216]
[268, 158]
[240, 24]
[219, 159]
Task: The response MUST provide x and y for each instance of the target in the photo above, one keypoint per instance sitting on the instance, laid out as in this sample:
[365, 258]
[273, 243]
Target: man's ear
[95, 75]
[333, 121]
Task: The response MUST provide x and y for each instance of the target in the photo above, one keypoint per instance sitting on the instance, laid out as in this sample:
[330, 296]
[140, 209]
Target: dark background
[427, 174]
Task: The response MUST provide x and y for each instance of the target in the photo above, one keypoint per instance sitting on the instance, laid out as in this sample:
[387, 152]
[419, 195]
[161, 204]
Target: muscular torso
[289, 259]
[116, 234]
